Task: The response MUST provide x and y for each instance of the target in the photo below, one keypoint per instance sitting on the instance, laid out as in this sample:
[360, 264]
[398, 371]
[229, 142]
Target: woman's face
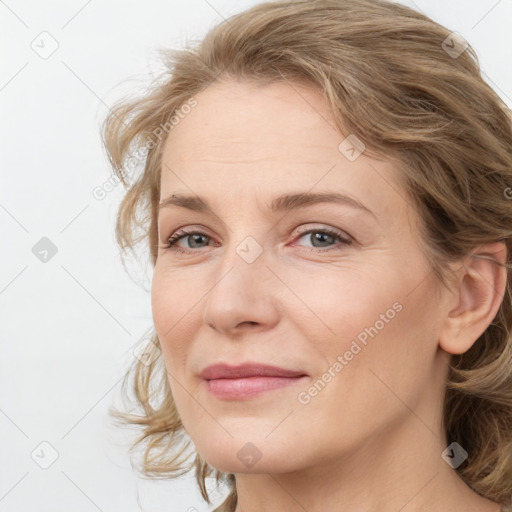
[336, 291]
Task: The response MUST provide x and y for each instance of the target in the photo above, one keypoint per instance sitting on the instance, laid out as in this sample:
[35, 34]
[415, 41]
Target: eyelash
[183, 233]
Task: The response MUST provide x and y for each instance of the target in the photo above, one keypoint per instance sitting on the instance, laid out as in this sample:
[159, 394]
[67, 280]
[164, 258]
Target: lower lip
[248, 387]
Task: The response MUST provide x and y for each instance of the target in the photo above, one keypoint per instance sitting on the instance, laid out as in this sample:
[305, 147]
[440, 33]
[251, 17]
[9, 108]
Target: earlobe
[478, 293]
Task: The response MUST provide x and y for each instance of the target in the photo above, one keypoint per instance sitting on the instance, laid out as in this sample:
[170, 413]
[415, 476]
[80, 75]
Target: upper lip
[226, 371]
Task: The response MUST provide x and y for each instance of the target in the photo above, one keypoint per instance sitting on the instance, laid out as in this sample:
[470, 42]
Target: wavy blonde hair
[388, 78]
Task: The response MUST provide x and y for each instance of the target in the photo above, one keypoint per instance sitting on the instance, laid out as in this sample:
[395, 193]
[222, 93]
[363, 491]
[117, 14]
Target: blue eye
[174, 239]
[326, 236]
[322, 236]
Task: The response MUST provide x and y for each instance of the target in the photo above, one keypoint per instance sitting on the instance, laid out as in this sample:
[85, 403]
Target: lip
[226, 371]
[247, 380]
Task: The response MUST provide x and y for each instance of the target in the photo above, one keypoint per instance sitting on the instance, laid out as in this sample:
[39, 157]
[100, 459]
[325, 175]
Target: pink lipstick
[247, 380]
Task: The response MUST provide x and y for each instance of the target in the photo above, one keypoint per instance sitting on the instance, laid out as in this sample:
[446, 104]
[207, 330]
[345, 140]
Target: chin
[249, 452]
[268, 463]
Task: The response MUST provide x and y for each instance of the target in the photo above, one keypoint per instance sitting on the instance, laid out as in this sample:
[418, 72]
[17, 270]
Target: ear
[477, 295]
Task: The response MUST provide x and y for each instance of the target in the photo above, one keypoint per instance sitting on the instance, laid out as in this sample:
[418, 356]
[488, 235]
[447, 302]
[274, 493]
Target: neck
[400, 470]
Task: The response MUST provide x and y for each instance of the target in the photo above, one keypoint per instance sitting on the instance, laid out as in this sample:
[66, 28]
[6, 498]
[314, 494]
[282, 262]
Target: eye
[195, 238]
[325, 237]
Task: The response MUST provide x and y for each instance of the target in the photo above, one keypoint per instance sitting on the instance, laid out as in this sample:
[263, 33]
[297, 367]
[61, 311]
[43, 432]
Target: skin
[372, 438]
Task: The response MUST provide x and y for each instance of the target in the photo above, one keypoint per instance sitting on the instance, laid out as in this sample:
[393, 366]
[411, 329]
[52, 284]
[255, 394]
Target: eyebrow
[285, 202]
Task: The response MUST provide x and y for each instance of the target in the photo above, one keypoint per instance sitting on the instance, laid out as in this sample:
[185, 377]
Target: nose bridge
[241, 292]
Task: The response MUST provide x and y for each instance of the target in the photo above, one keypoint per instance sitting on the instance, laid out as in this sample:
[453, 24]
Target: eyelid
[314, 226]
[189, 228]
[319, 226]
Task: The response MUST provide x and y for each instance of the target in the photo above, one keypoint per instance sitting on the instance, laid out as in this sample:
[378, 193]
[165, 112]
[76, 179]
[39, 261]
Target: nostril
[246, 324]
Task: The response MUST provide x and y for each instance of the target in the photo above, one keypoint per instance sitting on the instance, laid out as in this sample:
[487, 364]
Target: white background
[68, 326]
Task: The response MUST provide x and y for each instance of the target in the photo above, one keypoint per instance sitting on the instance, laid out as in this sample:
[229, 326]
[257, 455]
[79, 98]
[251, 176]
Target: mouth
[247, 380]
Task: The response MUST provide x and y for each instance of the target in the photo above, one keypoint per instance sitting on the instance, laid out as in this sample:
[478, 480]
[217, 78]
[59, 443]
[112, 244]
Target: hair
[386, 74]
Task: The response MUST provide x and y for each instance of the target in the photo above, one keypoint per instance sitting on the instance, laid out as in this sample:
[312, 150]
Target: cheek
[172, 302]
[388, 347]
[384, 365]
[337, 304]
[172, 306]
[380, 319]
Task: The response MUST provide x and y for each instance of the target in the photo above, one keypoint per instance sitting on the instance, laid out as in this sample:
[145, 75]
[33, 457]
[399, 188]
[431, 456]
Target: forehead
[255, 120]
[244, 137]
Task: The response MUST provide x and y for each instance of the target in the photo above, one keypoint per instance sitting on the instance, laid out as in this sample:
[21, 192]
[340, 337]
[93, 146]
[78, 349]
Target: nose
[242, 296]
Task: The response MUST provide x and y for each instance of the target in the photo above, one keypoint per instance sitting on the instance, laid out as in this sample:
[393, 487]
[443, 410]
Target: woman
[324, 187]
